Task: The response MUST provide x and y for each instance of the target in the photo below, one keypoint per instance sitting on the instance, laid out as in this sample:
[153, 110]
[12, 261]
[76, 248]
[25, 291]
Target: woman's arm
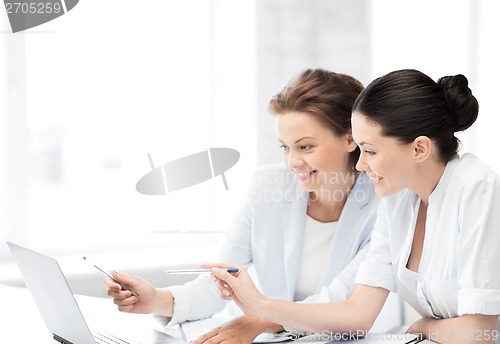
[468, 328]
[355, 314]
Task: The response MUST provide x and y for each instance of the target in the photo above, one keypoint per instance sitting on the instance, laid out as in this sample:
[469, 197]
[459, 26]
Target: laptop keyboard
[106, 338]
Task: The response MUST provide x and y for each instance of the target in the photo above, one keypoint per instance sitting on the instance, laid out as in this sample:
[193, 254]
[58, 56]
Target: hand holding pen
[122, 285]
[238, 287]
[134, 295]
[147, 298]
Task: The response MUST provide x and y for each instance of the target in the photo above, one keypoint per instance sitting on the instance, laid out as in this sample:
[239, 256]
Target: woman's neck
[326, 205]
[427, 177]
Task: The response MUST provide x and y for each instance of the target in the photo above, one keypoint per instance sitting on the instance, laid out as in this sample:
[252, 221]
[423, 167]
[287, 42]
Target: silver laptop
[58, 307]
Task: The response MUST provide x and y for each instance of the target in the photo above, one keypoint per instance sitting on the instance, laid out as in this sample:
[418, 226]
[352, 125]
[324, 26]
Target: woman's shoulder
[470, 170]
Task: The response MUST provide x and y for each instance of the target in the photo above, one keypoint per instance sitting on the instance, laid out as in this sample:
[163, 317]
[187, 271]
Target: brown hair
[325, 95]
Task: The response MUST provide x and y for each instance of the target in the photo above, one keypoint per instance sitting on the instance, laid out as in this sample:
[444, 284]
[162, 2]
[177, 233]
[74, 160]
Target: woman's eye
[283, 147]
[306, 147]
[369, 152]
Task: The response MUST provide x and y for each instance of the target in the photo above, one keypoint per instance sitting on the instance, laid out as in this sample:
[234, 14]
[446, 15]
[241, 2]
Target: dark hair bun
[463, 106]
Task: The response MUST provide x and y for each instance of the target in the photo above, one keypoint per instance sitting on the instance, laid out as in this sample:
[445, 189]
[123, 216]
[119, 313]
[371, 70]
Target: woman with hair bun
[436, 238]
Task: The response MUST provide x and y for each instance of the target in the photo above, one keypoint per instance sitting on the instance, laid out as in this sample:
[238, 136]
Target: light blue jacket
[267, 233]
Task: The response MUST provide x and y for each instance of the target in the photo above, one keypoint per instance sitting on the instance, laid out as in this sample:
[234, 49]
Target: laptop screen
[52, 295]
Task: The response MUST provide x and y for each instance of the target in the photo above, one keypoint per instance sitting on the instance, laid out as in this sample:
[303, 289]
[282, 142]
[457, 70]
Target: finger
[222, 274]
[127, 279]
[223, 287]
[226, 295]
[112, 284]
[227, 290]
[114, 294]
[223, 295]
[203, 338]
[120, 295]
[126, 302]
[126, 309]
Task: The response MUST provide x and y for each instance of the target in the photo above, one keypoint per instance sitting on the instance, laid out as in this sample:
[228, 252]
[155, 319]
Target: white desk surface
[21, 322]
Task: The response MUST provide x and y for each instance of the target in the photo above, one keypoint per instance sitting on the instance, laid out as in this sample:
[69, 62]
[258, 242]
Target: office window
[92, 92]
[445, 38]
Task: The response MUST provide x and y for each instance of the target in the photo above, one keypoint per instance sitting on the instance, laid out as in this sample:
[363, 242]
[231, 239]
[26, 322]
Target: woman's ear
[422, 146]
[351, 145]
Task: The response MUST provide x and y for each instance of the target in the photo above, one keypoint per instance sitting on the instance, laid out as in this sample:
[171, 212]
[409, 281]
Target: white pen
[196, 271]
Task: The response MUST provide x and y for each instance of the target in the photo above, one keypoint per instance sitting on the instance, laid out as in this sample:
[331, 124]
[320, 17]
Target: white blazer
[266, 234]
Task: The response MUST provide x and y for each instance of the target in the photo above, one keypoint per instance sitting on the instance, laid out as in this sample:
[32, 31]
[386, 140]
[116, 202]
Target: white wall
[441, 38]
[293, 35]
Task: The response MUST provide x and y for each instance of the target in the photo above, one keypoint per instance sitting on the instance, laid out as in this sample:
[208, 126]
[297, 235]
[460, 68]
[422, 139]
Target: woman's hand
[242, 330]
[237, 286]
[147, 299]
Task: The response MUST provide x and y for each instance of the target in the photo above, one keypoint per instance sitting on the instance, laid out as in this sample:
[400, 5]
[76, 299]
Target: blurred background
[85, 97]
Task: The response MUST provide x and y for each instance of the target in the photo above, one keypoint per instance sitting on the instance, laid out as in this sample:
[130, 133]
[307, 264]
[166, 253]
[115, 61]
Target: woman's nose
[361, 165]
[294, 160]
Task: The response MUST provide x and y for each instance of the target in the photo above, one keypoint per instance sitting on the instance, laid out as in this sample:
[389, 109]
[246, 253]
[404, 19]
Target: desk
[192, 331]
[21, 321]
[20, 317]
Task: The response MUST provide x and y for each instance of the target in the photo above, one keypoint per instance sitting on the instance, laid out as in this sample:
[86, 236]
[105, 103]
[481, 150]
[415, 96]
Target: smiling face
[317, 156]
[389, 163]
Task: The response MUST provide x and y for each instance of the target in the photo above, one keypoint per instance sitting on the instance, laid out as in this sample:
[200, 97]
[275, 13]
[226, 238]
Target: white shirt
[316, 244]
[459, 270]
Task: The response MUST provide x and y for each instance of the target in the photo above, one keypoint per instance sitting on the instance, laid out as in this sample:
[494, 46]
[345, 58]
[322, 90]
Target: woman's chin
[383, 191]
[308, 186]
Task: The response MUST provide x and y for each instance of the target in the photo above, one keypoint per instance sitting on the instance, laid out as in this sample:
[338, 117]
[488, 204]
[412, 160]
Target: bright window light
[107, 84]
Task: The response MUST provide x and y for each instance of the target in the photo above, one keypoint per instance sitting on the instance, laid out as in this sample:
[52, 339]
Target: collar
[442, 185]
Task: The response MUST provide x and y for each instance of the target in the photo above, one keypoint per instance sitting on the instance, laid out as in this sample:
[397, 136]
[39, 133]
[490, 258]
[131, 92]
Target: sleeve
[376, 269]
[478, 253]
[199, 298]
[193, 300]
